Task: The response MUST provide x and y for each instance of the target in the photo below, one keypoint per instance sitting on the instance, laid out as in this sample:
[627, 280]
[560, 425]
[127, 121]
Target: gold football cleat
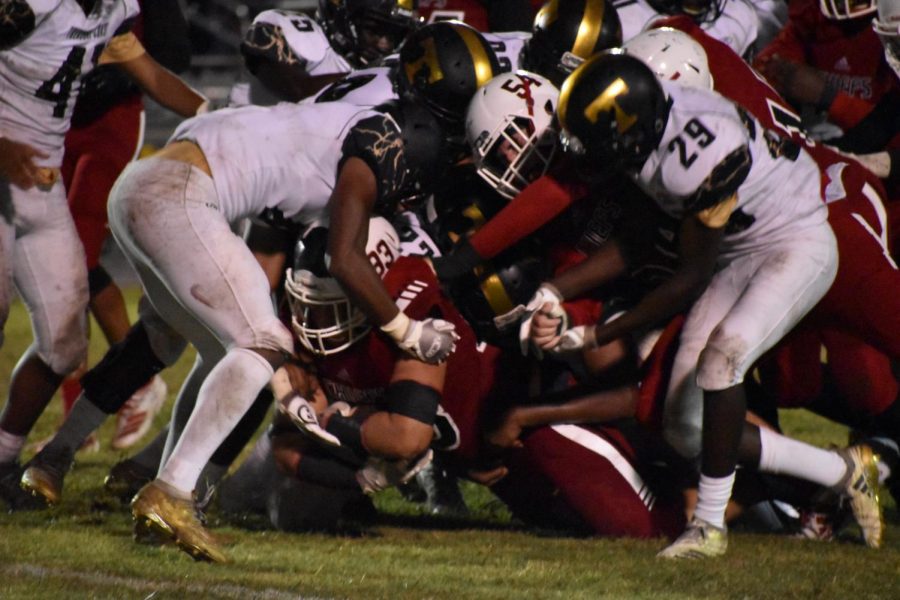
[159, 512]
[860, 485]
[42, 483]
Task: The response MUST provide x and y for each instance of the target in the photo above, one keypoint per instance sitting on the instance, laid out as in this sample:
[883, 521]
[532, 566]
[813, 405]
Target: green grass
[76, 552]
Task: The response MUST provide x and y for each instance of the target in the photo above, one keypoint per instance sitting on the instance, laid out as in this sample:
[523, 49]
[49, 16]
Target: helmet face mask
[887, 26]
[322, 316]
[846, 9]
[701, 11]
[510, 128]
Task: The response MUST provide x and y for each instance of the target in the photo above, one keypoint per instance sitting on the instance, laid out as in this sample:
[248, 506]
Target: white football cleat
[699, 540]
[136, 416]
[303, 415]
[380, 473]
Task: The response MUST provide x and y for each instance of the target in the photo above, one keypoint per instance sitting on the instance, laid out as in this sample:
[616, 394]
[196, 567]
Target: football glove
[428, 340]
[303, 415]
[546, 294]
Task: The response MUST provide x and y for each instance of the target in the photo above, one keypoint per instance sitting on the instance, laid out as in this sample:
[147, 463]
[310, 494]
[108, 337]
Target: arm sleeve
[376, 141]
[535, 206]
[166, 34]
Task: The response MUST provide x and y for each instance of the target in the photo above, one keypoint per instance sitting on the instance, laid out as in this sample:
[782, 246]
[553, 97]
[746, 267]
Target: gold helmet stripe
[547, 14]
[482, 63]
[496, 295]
[567, 87]
[429, 58]
[589, 28]
[406, 5]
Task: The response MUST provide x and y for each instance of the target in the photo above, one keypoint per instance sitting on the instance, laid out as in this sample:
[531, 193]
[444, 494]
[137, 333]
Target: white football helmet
[887, 26]
[323, 317]
[672, 55]
[509, 128]
[846, 9]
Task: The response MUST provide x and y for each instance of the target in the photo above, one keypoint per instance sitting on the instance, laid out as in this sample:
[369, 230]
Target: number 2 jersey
[40, 76]
[712, 149]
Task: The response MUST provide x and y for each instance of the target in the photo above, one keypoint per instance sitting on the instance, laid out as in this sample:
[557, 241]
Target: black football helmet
[443, 64]
[497, 287]
[347, 23]
[701, 11]
[568, 32]
[612, 112]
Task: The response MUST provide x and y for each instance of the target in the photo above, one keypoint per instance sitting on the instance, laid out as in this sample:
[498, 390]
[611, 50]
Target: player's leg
[768, 293]
[213, 274]
[50, 275]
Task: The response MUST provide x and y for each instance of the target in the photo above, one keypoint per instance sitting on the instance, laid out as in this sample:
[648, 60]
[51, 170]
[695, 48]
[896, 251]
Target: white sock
[713, 497]
[10, 447]
[781, 454]
[226, 394]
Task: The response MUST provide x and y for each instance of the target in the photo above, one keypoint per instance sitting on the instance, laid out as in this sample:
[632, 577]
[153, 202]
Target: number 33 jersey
[717, 162]
[40, 76]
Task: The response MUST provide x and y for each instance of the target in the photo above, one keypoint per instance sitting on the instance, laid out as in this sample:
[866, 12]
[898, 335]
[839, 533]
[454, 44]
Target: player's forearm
[364, 287]
[163, 86]
[601, 267]
[599, 407]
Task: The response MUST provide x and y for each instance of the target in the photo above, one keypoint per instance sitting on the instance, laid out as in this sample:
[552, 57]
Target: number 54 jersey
[40, 76]
[716, 161]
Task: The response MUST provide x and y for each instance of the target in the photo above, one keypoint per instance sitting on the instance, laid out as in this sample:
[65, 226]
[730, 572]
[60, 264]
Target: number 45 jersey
[40, 76]
[712, 150]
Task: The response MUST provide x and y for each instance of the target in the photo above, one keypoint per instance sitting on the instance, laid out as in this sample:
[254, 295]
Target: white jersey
[508, 46]
[365, 87]
[279, 157]
[737, 26]
[706, 143]
[290, 38]
[40, 76]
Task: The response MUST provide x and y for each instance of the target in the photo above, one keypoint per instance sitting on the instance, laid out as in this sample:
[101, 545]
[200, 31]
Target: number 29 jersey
[40, 76]
[710, 151]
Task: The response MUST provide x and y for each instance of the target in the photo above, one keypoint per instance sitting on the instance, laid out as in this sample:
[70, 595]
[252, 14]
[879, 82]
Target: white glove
[302, 414]
[572, 340]
[546, 294]
[429, 340]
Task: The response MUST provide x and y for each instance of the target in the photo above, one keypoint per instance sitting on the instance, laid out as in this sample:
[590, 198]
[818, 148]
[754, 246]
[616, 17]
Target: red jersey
[471, 12]
[849, 52]
[362, 373]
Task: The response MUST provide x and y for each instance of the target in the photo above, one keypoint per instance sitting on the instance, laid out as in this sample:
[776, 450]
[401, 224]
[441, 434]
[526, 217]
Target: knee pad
[721, 368]
[126, 367]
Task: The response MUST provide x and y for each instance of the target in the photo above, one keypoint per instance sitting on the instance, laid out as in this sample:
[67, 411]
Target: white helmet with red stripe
[672, 55]
[846, 9]
[509, 128]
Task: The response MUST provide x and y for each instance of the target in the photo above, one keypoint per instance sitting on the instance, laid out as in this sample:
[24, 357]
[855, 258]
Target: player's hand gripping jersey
[40, 76]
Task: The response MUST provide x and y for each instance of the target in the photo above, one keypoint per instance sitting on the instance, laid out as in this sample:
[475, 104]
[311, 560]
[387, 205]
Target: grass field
[76, 552]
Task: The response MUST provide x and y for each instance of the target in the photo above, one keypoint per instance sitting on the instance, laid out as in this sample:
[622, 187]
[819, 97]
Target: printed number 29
[697, 132]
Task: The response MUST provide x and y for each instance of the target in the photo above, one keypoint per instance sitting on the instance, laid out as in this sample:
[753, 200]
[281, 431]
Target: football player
[856, 213]
[756, 254]
[45, 52]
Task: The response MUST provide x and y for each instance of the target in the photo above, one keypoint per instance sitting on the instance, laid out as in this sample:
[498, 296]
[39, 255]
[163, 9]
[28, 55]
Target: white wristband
[397, 327]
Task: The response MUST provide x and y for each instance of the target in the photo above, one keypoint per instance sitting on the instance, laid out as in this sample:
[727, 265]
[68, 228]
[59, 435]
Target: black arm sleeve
[16, 22]
[166, 34]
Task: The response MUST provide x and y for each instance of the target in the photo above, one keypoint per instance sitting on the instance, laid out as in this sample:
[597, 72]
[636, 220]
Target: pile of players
[562, 263]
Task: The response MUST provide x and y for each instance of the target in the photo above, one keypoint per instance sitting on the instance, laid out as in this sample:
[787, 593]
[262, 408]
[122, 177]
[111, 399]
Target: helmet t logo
[429, 59]
[608, 100]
